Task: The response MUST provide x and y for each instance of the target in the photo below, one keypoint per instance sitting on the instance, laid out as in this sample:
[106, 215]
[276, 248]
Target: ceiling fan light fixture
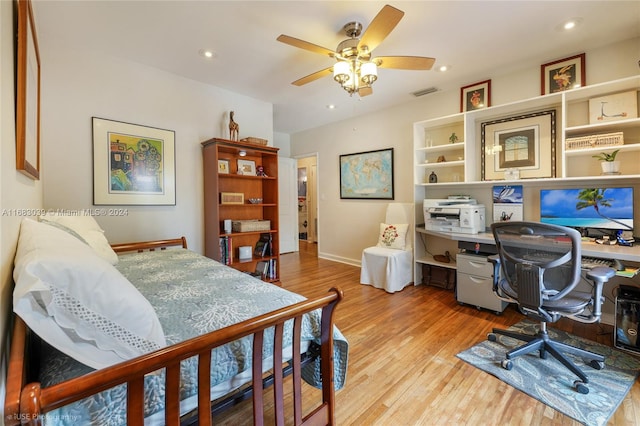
[341, 72]
[368, 73]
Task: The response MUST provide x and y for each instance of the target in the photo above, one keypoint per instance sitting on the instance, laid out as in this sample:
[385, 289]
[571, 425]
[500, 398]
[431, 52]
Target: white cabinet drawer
[474, 265]
[478, 291]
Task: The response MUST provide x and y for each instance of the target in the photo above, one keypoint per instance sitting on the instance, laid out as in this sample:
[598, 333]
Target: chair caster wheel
[507, 364]
[581, 387]
[492, 337]
[543, 354]
[596, 365]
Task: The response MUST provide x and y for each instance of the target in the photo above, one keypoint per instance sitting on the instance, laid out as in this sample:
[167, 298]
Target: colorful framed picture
[367, 175]
[223, 166]
[133, 164]
[27, 94]
[247, 167]
[475, 96]
[524, 142]
[564, 74]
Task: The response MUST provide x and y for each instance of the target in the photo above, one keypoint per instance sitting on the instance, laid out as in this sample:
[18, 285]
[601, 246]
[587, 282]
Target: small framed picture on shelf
[475, 96]
[223, 166]
[563, 74]
[231, 198]
[247, 167]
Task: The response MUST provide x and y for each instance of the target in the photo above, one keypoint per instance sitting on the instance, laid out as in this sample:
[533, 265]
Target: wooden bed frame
[27, 402]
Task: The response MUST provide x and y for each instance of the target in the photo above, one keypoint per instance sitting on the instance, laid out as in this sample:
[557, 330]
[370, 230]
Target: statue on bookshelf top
[233, 128]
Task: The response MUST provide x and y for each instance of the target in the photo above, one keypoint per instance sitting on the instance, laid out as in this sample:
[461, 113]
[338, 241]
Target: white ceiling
[478, 39]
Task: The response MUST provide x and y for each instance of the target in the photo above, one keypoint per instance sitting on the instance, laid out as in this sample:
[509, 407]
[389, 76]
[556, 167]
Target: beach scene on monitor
[598, 208]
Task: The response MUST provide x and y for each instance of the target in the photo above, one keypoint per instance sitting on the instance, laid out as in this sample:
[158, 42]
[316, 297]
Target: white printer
[454, 215]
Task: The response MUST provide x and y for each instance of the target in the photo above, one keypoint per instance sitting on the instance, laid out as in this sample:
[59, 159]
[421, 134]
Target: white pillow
[79, 303]
[87, 227]
[393, 235]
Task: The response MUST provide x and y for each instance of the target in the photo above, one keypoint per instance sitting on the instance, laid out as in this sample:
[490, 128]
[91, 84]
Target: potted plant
[608, 161]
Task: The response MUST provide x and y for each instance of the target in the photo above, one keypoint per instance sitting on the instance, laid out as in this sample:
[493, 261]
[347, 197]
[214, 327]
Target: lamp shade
[368, 72]
[341, 72]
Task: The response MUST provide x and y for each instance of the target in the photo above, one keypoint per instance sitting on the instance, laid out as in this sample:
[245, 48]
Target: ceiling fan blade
[295, 42]
[405, 62]
[384, 22]
[365, 91]
[313, 77]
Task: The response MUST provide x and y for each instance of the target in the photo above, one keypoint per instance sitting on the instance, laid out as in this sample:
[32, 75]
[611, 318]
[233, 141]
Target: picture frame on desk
[526, 142]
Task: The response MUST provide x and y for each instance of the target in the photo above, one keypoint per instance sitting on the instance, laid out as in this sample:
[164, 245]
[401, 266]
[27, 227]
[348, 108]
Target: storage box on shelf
[251, 220]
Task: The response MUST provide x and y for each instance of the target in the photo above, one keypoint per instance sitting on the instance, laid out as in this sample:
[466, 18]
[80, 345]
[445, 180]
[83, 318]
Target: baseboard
[340, 259]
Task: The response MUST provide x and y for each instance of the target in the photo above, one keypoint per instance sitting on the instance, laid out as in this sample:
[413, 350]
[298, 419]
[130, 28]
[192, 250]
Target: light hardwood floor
[403, 368]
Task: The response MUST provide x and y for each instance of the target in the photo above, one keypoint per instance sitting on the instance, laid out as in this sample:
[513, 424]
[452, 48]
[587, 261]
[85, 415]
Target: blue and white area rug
[550, 382]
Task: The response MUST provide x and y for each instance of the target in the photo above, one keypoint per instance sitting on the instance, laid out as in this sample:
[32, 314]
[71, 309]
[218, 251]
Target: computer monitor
[588, 208]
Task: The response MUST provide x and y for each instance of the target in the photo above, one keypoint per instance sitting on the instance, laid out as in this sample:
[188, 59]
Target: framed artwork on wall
[526, 143]
[133, 164]
[564, 74]
[27, 94]
[475, 96]
[367, 175]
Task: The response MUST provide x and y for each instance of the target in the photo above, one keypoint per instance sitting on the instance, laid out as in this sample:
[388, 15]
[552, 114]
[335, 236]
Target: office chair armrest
[495, 260]
[599, 275]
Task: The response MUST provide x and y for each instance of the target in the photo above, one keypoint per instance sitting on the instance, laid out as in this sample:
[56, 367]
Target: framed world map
[367, 175]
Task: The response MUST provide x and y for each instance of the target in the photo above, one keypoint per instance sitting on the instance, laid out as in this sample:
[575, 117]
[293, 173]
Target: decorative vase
[610, 167]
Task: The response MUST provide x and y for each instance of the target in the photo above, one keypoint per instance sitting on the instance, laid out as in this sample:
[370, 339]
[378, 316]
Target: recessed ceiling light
[569, 24]
[443, 68]
[331, 106]
[207, 53]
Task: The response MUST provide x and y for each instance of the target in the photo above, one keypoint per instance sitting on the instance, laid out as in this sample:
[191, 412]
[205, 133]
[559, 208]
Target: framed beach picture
[367, 175]
[132, 164]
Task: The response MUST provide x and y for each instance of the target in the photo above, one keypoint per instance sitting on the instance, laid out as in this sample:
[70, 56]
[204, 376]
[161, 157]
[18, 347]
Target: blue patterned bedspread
[192, 295]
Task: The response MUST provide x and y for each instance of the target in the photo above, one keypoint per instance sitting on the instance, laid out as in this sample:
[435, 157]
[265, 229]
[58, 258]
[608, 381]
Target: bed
[220, 330]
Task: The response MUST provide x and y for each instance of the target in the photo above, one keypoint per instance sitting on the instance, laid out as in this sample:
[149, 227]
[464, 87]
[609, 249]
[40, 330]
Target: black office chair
[538, 266]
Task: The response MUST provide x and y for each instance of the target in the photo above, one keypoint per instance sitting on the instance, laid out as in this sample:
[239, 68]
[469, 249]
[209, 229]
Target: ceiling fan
[355, 69]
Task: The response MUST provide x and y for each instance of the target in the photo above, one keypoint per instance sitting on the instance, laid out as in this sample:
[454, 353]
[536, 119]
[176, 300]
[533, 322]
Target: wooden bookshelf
[227, 179]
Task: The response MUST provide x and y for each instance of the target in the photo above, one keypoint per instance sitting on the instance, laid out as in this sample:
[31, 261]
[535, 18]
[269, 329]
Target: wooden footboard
[26, 403]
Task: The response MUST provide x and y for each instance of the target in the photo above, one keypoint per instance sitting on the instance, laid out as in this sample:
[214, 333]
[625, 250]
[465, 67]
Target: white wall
[348, 226]
[80, 85]
[18, 193]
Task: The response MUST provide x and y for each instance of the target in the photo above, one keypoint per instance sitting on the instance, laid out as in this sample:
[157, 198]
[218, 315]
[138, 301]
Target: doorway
[307, 199]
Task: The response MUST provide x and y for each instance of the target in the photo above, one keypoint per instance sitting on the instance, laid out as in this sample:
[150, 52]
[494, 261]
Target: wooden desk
[600, 251]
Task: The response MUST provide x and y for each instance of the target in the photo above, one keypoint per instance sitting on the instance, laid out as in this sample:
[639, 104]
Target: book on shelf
[263, 246]
[262, 268]
[226, 251]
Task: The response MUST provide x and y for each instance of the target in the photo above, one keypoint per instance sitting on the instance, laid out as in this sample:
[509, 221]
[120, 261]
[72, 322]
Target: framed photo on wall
[367, 175]
[133, 164]
[564, 74]
[27, 94]
[524, 142]
[475, 96]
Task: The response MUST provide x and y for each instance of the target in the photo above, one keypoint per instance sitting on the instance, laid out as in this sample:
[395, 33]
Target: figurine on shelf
[441, 159]
[233, 128]
[453, 138]
[260, 171]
